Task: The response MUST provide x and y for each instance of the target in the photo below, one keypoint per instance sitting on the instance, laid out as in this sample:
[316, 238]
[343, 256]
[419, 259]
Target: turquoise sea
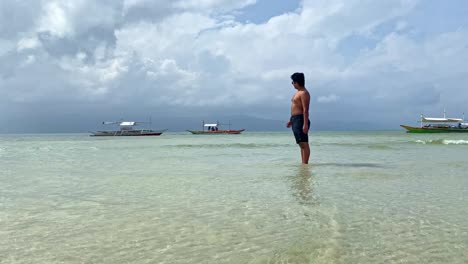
[366, 197]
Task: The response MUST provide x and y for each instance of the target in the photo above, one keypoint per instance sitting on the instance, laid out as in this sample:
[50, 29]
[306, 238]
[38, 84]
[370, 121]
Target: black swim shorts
[297, 124]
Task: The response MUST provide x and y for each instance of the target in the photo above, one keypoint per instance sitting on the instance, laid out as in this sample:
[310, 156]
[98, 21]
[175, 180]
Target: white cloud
[222, 5]
[55, 20]
[68, 18]
[28, 43]
[194, 54]
[169, 38]
[331, 98]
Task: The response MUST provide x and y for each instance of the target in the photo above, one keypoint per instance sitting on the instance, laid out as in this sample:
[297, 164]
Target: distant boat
[439, 125]
[126, 129]
[213, 129]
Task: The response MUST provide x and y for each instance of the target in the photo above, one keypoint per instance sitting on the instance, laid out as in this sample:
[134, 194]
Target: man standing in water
[300, 113]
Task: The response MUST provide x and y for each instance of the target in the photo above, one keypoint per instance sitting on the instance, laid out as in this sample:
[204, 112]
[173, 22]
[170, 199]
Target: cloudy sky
[67, 65]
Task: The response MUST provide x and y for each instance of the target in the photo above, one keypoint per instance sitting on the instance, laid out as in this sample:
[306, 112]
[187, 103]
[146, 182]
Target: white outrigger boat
[126, 128]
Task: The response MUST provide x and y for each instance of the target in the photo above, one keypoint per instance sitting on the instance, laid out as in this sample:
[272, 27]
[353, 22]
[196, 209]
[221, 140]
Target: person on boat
[299, 121]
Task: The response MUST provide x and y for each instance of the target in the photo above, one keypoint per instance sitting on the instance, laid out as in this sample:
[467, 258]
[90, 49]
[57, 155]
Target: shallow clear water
[366, 197]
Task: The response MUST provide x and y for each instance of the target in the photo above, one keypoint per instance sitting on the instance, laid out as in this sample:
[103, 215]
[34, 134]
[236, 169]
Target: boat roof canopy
[441, 120]
[211, 125]
[127, 123]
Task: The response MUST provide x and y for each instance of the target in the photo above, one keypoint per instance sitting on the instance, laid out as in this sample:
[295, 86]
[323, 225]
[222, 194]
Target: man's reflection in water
[303, 186]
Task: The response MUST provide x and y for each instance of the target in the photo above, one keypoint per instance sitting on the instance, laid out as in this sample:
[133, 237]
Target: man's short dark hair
[298, 78]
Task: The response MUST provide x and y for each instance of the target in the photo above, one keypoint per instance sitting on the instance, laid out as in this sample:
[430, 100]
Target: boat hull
[127, 133]
[410, 129]
[219, 132]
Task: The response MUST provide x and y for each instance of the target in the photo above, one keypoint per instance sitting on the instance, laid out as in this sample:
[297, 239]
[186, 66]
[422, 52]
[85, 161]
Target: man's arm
[305, 100]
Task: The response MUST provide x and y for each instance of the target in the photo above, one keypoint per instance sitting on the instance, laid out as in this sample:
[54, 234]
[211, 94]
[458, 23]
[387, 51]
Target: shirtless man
[299, 113]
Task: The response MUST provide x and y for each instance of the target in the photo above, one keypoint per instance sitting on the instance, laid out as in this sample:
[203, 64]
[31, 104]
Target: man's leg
[305, 152]
[302, 152]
